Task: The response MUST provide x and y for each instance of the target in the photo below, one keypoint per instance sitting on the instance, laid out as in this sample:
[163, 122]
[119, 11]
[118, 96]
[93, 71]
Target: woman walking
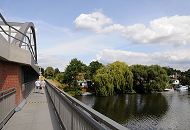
[43, 84]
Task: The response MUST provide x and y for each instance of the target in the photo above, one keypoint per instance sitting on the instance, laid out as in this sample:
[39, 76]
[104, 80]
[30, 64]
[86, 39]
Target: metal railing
[27, 88]
[7, 105]
[75, 115]
[16, 30]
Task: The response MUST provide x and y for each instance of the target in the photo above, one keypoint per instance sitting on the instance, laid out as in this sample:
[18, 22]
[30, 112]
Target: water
[162, 111]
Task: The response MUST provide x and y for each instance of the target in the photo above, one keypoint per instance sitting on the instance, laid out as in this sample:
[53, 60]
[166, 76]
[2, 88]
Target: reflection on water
[151, 111]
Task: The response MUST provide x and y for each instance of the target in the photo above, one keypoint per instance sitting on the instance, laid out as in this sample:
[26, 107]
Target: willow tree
[122, 77]
[114, 78]
[104, 82]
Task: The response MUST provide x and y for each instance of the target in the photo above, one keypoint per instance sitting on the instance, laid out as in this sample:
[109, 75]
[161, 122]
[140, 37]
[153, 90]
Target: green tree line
[117, 77]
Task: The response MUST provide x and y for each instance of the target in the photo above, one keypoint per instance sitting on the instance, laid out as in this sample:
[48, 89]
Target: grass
[71, 92]
[56, 83]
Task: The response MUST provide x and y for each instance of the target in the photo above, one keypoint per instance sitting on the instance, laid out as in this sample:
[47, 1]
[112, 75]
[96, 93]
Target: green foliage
[56, 71]
[93, 67]
[149, 78]
[185, 78]
[122, 77]
[104, 82]
[171, 71]
[115, 77]
[140, 77]
[72, 70]
[49, 72]
[59, 77]
[157, 78]
[73, 91]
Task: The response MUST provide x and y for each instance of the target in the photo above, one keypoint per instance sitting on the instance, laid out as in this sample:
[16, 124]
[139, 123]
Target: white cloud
[174, 29]
[56, 52]
[95, 21]
[178, 59]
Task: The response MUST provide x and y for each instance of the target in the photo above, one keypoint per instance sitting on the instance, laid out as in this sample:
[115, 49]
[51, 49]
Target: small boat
[86, 94]
[169, 89]
[181, 88]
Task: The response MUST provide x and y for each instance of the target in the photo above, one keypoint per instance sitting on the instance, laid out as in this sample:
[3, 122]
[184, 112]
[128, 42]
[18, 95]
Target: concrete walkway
[37, 114]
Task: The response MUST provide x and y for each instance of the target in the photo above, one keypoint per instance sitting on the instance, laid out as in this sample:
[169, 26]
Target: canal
[163, 111]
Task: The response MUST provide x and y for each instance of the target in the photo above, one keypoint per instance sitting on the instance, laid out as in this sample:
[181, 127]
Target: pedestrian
[43, 84]
[37, 86]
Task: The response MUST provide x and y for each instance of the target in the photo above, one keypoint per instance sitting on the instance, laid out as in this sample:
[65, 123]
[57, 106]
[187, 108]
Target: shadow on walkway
[37, 114]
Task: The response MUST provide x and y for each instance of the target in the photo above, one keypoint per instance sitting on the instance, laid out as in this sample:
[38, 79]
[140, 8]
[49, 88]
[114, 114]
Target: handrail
[29, 46]
[7, 92]
[94, 114]
[7, 105]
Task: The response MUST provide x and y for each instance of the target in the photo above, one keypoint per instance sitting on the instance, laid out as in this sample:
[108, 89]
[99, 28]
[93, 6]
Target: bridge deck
[37, 114]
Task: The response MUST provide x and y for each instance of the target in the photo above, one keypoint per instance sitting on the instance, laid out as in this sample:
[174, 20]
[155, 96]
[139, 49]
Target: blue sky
[137, 32]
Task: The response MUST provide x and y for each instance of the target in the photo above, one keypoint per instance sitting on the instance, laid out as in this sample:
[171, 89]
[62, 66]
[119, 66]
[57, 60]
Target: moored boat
[181, 88]
[86, 93]
[169, 89]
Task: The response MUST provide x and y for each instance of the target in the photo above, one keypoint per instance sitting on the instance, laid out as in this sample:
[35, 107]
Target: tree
[56, 71]
[122, 77]
[139, 77]
[49, 72]
[171, 71]
[104, 82]
[60, 77]
[93, 67]
[185, 78]
[72, 70]
[148, 79]
[113, 78]
[157, 79]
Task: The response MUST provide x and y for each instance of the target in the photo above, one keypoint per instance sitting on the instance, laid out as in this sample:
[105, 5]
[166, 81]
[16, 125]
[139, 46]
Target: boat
[86, 94]
[169, 89]
[181, 88]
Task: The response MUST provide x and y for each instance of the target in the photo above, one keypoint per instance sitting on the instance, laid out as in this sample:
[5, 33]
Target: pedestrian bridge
[21, 107]
[56, 110]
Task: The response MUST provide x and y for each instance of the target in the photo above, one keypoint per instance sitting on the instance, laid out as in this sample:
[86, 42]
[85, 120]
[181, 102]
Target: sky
[136, 32]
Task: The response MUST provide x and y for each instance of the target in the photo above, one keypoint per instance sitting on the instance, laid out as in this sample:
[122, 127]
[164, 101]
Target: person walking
[37, 86]
[43, 84]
